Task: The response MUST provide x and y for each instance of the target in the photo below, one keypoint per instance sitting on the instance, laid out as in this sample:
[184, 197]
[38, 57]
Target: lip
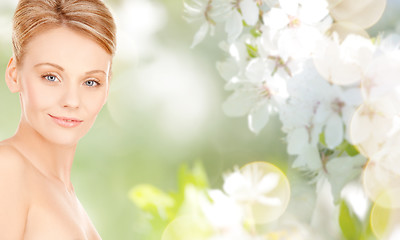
[66, 122]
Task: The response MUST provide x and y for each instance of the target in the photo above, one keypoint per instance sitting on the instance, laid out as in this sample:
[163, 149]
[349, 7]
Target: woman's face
[64, 82]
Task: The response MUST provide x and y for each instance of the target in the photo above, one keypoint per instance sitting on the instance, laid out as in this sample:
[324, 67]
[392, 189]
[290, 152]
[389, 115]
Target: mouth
[66, 122]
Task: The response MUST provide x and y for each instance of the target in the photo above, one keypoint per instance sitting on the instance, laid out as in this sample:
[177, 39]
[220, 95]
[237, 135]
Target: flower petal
[297, 140]
[228, 69]
[312, 12]
[256, 70]
[258, 118]
[309, 159]
[291, 7]
[250, 11]
[234, 26]
[200, 35]
[268, 182]
[334, 131]
[342, 170]
[235, 182]
[239, 103]
[276, 19]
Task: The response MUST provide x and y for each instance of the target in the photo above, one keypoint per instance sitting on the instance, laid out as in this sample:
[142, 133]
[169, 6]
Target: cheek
[37, 96]
[94, 102]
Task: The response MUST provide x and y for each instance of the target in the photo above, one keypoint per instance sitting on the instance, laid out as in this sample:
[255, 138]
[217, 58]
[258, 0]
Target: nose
[71, 97]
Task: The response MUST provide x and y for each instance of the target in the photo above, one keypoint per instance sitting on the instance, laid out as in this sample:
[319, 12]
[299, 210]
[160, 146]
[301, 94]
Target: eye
[50, 78]
[91, 83]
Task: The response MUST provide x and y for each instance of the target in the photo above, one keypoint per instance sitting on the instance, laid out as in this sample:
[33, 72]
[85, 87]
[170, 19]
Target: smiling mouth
[66, 122]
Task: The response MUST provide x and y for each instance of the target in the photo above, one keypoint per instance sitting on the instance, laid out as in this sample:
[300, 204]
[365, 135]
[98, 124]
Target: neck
[51, 159]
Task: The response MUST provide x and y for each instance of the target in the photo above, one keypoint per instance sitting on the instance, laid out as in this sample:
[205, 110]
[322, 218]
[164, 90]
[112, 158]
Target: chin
[67, 140]
[64, 137]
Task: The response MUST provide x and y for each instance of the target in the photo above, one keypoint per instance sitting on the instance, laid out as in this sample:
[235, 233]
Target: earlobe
[12, 76]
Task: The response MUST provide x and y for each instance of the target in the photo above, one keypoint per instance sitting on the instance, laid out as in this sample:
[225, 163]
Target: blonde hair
[90, 17]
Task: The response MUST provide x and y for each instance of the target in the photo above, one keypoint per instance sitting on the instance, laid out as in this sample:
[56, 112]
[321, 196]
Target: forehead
[68, 48]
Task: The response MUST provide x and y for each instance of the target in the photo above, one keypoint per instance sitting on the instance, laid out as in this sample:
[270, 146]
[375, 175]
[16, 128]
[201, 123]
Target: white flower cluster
[375, 129]
[335, 89]
[304, 60]
[258, 193]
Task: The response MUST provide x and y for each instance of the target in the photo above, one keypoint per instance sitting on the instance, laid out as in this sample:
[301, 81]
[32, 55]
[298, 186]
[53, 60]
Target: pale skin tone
[63, 83]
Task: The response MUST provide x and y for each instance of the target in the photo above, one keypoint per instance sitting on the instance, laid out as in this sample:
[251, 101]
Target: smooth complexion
[63, 83]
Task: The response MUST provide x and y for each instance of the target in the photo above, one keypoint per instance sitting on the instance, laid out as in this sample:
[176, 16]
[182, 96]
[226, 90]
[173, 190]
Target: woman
[61, 63]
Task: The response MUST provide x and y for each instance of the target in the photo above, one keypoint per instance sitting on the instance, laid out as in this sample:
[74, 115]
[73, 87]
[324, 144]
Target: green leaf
[345, 146]
[351, 150]
[162, 208]
[153, 200]
[196, 176]
[322, 139]
[255, 32]
[252, 50]
[349, 223]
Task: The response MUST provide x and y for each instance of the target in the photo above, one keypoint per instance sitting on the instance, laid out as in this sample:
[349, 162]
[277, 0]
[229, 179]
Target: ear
[12, 76]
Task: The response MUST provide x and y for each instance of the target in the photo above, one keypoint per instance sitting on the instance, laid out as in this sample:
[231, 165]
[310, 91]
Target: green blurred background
[164, 110]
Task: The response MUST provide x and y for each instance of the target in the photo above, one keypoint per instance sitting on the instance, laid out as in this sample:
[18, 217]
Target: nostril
[70, 98]
[71, 105]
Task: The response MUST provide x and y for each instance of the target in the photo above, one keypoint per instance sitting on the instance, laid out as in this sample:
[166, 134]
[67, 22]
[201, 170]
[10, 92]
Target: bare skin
[48, 209]
[64, 74]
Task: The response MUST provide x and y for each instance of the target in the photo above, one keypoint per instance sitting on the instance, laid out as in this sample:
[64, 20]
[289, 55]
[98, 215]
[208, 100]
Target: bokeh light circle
[368, 128]
[364, 13]
[381, 183]
[343, 29]
[385, 222]
[262, 213]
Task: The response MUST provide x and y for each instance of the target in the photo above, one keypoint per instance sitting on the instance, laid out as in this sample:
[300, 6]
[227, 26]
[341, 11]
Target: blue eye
[91, 83]
[51, 78]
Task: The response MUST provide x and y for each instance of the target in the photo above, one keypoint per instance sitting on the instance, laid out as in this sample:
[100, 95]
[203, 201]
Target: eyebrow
[62, 69]
[51, 64]
[95, 71]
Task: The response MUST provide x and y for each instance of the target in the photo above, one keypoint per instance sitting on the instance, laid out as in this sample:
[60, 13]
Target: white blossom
[342, 170]
[207, 13]
[251, 187]
[343, 63]
[286, 57]
[245, 193]
[223, 212]
[382, 74]
[257, 94]
[371, 124]
[294, 27]
[240, 10]
[336, 111]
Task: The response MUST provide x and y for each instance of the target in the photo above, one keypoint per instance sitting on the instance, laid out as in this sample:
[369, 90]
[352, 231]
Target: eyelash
[96, 82]
[44, 76]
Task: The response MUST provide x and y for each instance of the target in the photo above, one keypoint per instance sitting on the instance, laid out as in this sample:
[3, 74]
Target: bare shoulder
[10, 156]
[14, 205]
[13, 165]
